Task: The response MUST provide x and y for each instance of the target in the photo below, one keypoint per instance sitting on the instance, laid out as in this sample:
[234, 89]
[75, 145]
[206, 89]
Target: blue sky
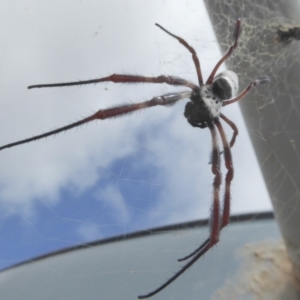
[121, 175]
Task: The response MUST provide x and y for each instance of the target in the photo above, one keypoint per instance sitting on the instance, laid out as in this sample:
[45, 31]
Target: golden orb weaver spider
[203, 110]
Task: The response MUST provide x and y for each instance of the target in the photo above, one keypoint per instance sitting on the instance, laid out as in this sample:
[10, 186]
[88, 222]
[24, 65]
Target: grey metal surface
[271, 114]
[126, 268]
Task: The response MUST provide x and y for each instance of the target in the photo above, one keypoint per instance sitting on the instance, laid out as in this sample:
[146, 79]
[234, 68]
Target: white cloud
[96, 40]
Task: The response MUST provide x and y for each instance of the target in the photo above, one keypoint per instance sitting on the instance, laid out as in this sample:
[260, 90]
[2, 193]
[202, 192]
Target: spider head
[225, 85]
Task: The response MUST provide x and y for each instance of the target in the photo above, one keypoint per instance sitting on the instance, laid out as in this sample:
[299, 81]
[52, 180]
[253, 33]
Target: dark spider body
[287, 33]
[198, 113]
[205, 105]
[203, 110]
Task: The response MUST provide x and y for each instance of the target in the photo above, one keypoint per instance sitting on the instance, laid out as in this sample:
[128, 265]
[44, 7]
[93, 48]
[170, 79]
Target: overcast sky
[116, 176]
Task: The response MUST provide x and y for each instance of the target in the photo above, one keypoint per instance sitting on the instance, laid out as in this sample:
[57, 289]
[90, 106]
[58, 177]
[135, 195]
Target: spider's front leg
[102, 114]
[236, 35]
[123, 78]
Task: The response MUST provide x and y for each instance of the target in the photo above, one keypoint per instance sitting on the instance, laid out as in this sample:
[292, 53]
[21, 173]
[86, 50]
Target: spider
[286, 33]
[203, 110]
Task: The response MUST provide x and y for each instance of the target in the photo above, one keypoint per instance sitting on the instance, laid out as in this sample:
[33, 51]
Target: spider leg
[102, 114]
[123, 78]
[237, 32]
[229, 177]
[258, 81]
[233, 127]
[195, 251]
[215, 215]
[191, 49]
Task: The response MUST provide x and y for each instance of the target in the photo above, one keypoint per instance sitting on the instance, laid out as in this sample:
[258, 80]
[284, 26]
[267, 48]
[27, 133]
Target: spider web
[140, 171]
[271, 115]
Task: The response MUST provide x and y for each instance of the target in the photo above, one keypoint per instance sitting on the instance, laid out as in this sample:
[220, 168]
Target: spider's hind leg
[195, 251]
[226, 201]
[215, 216]
[229, 175]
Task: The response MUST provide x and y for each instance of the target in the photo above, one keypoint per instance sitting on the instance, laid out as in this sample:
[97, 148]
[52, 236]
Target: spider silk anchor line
[203, 110]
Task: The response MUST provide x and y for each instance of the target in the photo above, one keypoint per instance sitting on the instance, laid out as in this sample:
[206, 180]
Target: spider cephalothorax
[203, 110]
[205, 105]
